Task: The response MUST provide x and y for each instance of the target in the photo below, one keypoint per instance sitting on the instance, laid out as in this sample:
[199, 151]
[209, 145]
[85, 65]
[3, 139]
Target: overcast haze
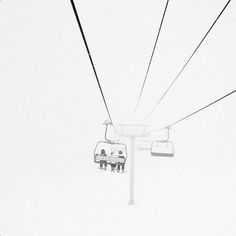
[51, 115]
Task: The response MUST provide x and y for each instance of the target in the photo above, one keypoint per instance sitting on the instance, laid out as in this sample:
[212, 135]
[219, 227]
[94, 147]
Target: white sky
[52, 113]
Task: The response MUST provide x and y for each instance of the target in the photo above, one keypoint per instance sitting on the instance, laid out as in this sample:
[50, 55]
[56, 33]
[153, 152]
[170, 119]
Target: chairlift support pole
[132, 137]
[132, 157]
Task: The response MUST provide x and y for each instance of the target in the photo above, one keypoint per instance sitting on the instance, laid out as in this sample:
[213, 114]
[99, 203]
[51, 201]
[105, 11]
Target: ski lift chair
[162, 148]
[112, 152]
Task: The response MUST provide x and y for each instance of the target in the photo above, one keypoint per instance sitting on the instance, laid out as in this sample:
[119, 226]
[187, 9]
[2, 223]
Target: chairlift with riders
[110, 152]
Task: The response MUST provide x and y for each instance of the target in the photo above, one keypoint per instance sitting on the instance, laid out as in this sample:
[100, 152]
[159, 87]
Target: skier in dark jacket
[103, 162]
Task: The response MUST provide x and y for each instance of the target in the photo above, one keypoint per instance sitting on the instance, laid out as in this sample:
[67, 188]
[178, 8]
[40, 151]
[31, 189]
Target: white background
[51, 115]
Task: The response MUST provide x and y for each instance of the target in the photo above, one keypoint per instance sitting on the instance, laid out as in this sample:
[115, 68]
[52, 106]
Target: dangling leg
[101, 165]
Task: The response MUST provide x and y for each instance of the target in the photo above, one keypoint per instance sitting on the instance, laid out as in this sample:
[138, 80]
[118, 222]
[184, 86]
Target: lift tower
[132, 131]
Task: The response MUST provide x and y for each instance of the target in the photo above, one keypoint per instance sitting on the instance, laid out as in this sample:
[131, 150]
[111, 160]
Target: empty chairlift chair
[162, 148]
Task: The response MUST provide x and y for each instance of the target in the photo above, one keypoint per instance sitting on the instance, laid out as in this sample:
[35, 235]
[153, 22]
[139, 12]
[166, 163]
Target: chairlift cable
[185, 65]
[90, 58]
[150, 61]
[195, 112]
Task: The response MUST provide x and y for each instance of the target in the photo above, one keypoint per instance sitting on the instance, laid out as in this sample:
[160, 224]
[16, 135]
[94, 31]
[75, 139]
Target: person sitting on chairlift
[103, 153]
[121, 164]
[113, 164]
